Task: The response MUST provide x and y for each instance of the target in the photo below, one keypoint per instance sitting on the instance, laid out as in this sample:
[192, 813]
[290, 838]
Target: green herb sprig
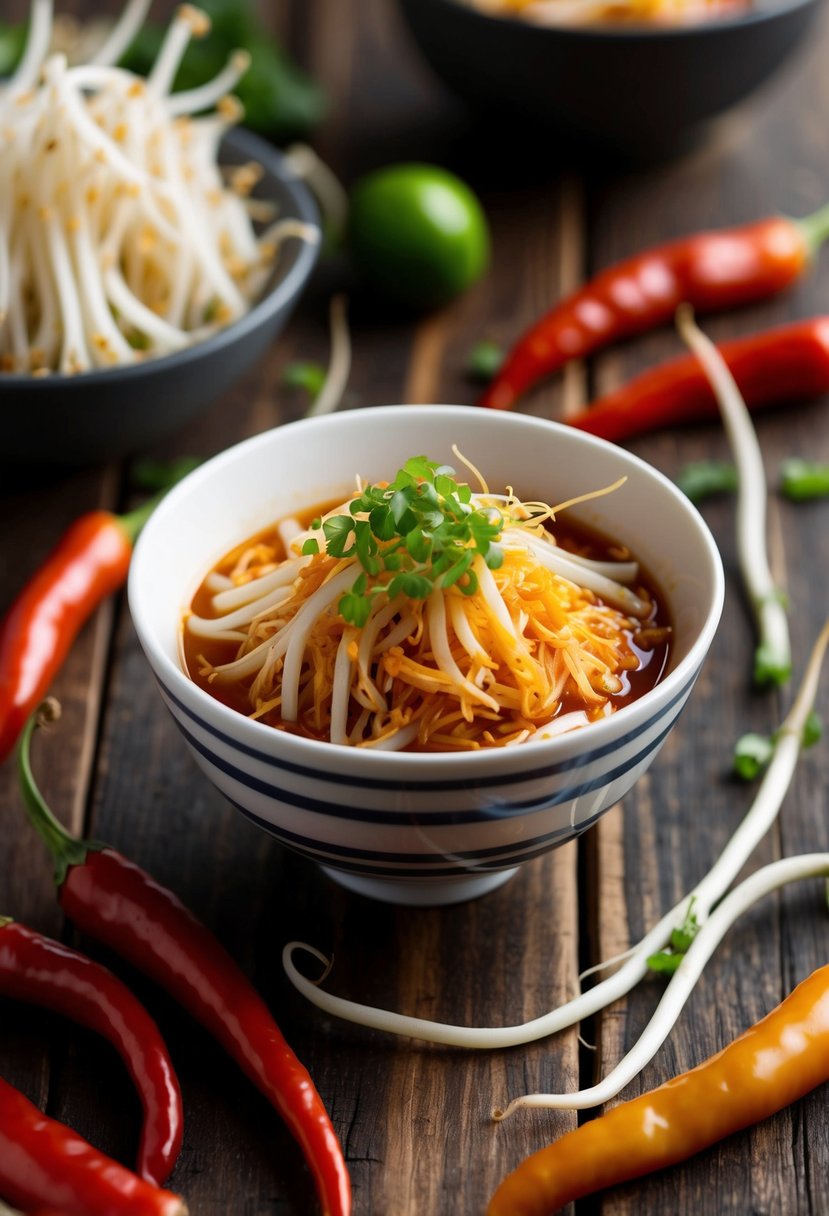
[422, 529]
[666, 961]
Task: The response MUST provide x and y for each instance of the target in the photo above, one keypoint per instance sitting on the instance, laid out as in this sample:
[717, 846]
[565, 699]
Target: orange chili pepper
[710, 271]
[778, 1060]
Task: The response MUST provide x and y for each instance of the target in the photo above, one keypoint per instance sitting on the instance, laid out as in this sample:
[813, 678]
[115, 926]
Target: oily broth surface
[199, 651]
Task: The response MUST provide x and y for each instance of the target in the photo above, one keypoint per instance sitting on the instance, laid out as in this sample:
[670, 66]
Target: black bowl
[632, 90]
[108, 413]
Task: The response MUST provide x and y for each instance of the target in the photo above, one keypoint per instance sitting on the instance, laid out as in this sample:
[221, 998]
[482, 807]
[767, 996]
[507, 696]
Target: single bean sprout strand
[762, 882]
[756, 823]
[37, 45]
[764, 595]
[339, 366]
[122, 33]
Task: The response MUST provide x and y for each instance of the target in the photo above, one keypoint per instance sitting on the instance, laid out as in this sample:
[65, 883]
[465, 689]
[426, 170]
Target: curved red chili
[88, 563]
[778, 1060]
[710, 271]
[113, 900]
[43, 1163]
[788, 363]
[37, 969]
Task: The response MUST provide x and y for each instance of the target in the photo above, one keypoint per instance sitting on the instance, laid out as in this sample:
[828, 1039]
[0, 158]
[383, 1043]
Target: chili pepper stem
[65, 848]
[815, 228]
[133, 521]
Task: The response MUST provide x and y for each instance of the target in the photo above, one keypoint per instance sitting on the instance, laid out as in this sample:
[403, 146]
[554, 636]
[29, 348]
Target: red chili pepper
[790, 363]
[113, 900]
[710, 271]
[37, 969]
[89, 562]
[778, 1060]
[44, 1163]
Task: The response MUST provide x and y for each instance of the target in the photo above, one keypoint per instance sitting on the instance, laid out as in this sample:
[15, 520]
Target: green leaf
[310, 377]
[804, 479]
[664, 962]
[812, 730]
[310, 547]
[414, 586]
[701, 479]
[485, 360]
[770, 667]
[337, 532]
[752, 753]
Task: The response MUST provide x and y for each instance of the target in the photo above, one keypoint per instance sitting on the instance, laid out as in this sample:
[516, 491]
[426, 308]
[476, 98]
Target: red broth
[648, 642]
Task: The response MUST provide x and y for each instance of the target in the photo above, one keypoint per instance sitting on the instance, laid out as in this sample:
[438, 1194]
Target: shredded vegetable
[119, 236]
[421, 614]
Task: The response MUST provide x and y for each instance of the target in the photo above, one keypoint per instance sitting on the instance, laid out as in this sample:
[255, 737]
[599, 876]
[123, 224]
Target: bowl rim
[756, 13]
[268, 745]
[304, 207]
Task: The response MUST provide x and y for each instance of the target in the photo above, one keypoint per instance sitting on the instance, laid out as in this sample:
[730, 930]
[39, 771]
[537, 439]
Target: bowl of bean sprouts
[433, 681]
[151, 249]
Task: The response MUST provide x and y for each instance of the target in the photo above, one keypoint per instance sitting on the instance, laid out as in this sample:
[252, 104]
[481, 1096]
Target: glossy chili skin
[46, 1165]
[88, 563]
[710, 271]
[778, 1060]
[786, 364]
[116, 902]
[47, 973]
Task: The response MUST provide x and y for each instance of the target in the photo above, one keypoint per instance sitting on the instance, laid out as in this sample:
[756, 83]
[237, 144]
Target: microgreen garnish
[752, 752]
[703, 478]
[666, 961]
[804, 479]
[304, 375]
[422, 529]
[485, 359]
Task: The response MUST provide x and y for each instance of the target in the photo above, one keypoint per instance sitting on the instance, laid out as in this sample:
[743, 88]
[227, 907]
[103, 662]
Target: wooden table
[415, 1120]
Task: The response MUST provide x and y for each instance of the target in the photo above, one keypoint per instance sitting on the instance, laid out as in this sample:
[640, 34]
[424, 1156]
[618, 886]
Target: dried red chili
[37, 969]
[113, 900]
[778, 1060]
[710, 271]
[43, 1163]
[789, 363]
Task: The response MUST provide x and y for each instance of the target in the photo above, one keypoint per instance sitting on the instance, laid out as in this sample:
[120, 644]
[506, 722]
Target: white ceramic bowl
[421, 828]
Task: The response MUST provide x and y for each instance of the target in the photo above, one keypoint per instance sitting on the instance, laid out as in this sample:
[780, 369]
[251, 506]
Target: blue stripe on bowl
[460, 783]
[418, 865]
[498, 809]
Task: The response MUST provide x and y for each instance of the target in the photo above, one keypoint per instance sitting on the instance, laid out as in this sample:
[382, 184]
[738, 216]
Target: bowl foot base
[421, 892]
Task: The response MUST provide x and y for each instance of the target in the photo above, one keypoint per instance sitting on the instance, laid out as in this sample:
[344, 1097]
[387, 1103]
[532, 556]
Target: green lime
[418, 234]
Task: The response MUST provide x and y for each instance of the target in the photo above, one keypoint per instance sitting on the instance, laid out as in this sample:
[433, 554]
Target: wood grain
[414, 1119]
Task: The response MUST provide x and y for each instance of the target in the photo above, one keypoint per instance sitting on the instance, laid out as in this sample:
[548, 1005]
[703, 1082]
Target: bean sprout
[634, 963]
[119, 237]
[772, 662]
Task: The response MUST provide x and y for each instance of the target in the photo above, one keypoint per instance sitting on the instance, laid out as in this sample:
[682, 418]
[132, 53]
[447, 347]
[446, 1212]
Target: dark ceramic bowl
[109, 413]
[633, 90]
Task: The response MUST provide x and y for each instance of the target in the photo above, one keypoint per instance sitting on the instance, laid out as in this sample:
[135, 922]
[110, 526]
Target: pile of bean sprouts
[453, 671]
[120, 236]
